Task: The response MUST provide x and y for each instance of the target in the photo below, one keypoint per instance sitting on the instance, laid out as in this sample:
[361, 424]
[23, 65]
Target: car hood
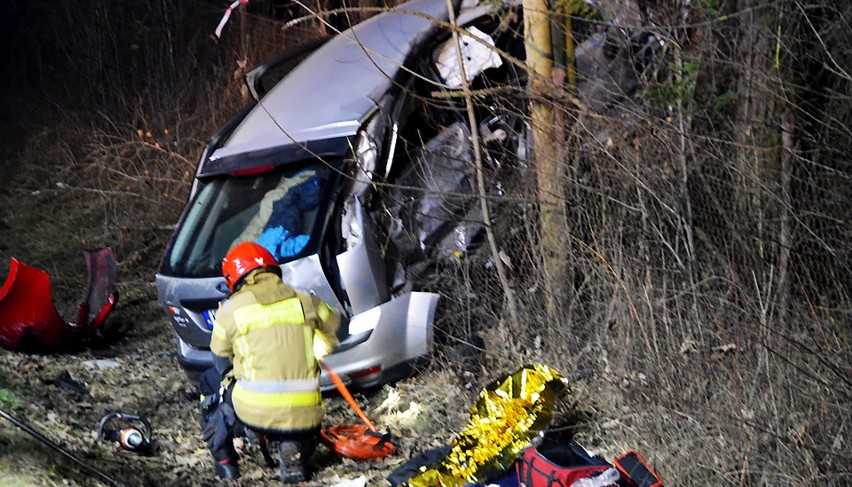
[331, 93]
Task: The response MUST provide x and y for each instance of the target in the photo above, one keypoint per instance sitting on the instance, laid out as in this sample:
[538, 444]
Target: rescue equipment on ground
[129, 435]
[28, 317]
[355, 441]
[636, 471]
[508, 414]
[562, 465]
[43, 439]
[552, 461]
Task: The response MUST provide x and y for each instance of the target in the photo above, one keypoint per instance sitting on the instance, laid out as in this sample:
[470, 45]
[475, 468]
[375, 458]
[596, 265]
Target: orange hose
[338, 382]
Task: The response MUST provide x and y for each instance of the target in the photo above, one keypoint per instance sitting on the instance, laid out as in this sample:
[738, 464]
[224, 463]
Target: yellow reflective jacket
[270, 333]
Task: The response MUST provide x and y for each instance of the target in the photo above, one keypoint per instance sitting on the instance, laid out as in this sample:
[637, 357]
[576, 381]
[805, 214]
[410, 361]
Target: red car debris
[28, 317]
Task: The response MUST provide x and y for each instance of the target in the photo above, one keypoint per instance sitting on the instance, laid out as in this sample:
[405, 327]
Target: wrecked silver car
[355, 171]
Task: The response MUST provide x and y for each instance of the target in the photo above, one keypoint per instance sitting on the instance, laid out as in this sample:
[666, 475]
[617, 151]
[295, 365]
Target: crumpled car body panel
[26, 309]
[28, 317]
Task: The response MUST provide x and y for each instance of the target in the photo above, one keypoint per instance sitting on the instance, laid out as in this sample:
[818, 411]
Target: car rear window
[280, 210]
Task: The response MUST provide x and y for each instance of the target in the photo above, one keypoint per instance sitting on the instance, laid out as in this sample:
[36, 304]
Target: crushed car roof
[331, 93]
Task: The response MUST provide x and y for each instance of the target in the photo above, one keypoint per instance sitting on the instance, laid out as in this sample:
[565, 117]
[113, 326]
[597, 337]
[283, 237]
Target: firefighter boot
[289, 462]
[227, 470]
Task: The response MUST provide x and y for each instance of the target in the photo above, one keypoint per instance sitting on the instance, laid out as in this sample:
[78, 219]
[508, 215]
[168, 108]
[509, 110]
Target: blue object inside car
[280, 244]
[283, 236]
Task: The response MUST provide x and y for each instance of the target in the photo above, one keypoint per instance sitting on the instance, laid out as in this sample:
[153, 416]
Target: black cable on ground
[43, 439]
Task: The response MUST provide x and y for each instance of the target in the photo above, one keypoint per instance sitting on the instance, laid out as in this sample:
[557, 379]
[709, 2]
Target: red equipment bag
[558, 466]
[636, 471]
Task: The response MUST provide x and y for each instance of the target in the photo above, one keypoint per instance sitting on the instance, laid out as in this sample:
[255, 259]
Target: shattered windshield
[280, 210]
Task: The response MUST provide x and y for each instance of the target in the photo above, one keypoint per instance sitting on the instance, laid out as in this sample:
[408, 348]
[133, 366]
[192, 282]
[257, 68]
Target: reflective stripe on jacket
[268, 330]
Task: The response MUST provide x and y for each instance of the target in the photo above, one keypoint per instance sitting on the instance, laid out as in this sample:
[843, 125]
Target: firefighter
[266, 340]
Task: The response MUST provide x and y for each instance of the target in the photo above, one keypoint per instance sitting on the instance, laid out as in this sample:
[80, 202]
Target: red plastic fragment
[100, 294]
[27, 311]
[28, 317]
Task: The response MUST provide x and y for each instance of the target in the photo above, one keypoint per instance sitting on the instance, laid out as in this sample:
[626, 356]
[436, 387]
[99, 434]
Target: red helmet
[244, 258]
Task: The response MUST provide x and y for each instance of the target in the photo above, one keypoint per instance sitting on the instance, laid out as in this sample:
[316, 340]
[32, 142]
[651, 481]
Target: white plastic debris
[477, 57]
[103, 364]
[356, 482]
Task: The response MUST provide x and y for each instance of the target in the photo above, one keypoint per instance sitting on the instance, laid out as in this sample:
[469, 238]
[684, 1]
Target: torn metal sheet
[442, 178]
[465, 235]
[28, 317]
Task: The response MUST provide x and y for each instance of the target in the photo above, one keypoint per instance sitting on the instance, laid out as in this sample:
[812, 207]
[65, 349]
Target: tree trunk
[547, 166]
[755, 100]
[785, 240]
[768, 154]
